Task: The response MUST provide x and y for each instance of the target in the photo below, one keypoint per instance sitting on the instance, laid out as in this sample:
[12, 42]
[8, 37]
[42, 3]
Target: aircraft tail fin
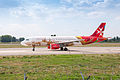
[99, 31]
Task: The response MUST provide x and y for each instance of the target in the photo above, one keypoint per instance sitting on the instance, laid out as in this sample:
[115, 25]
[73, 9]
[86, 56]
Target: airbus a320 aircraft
[61, 42]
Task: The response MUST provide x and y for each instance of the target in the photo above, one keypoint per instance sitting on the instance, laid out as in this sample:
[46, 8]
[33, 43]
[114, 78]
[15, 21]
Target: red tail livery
[99, 31]
[97, 36]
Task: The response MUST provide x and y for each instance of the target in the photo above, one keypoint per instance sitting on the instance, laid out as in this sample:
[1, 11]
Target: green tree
[114, 39]
[117, 38]
[6, 38]
[14, 39]
[21, 39]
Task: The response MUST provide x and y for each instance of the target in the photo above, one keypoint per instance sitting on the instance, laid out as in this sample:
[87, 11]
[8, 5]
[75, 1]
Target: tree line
[113, 40]
[9, 38]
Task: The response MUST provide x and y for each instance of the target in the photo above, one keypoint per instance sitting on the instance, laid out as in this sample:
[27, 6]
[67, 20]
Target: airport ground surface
[101, 63]
[72, 50]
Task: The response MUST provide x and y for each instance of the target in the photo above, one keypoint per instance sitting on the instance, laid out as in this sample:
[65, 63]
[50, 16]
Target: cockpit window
[27, 39]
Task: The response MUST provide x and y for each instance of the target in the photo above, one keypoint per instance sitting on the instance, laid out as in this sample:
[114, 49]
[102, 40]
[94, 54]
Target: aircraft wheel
[65, 49]
[61, 48]
[33, 49]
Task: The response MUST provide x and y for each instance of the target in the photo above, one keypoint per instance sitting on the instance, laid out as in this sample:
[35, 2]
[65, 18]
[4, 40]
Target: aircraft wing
[69, 41]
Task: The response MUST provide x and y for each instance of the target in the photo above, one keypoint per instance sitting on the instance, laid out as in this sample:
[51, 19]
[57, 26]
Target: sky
[25, 18]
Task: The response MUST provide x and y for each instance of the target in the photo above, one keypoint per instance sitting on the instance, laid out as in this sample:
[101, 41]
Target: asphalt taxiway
[72, 50]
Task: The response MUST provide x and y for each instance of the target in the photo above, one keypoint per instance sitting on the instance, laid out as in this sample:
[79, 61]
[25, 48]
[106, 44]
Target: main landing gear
[65, 49]
[61, 48]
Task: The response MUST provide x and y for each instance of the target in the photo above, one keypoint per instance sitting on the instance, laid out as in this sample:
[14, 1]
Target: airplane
[61, 42]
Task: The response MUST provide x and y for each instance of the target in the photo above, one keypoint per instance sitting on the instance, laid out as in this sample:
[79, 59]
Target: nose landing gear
[33, 47]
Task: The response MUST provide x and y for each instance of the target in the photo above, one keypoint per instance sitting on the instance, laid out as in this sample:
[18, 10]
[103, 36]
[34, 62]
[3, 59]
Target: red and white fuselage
[56, 42]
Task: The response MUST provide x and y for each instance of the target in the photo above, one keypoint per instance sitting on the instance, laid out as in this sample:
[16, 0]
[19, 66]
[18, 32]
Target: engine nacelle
[54, 46]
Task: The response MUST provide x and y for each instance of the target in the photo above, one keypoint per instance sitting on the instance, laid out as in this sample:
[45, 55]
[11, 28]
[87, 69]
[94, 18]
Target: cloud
[39, 11]
[45, 17]
[91, 4]
[43, 12]
[81, 3]
[117, 18]
[29, 11]
[68, 9]
[96, 14]
[36, 8]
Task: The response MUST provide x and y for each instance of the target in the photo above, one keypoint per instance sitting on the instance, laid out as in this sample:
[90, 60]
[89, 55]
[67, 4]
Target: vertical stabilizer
[100, 30]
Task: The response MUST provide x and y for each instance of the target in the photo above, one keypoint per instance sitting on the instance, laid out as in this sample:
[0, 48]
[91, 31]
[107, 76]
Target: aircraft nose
[23, 43]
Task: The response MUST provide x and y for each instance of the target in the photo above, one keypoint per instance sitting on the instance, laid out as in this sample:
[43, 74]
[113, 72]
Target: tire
[65, 49]
[61, 48]
[33, 49]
